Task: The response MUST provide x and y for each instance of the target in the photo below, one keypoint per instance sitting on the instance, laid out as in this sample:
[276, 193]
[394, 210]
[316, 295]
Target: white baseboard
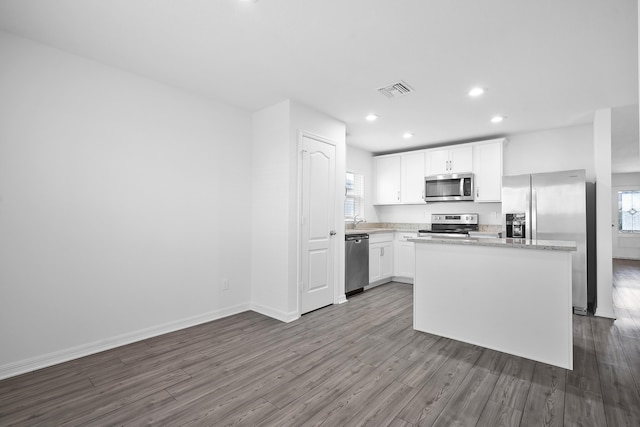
[276, 314]
[342, 299]
[56, 357]
[400, 279]
[377, 283]
[609, 314]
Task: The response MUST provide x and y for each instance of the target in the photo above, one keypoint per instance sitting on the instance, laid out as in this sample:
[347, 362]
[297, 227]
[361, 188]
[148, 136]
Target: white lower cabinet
[380, 256]
[405, 257]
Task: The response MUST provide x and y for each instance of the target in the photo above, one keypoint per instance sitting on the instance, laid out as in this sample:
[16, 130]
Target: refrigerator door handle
[534, 214]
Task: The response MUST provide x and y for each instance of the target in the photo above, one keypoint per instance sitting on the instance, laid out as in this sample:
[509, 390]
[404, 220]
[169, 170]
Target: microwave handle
[461, 186]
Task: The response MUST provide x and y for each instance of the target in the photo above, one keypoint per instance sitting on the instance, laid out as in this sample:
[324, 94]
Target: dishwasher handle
[356, 237]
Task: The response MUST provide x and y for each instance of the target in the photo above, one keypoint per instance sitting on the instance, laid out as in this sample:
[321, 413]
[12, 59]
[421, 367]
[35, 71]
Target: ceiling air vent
[395, 90]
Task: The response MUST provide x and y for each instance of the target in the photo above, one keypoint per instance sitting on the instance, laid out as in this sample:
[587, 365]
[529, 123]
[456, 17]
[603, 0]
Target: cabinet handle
[477, 191]
[398, 196]
[381, 251]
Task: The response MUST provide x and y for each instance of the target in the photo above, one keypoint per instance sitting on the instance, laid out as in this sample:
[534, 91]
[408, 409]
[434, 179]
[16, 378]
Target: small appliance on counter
[451, 225]
[356, 263]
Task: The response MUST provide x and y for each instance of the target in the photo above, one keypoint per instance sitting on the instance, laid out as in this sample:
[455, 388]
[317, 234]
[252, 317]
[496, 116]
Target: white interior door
[318, 224]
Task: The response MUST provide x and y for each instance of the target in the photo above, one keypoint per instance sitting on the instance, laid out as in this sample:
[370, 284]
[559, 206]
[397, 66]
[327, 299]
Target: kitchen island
[510, 295]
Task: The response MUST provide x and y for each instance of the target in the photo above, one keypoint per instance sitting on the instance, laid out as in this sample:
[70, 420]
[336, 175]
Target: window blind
[354, 196]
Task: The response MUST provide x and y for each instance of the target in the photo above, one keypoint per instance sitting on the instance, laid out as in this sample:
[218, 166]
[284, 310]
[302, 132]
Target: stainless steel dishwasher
[356, 263]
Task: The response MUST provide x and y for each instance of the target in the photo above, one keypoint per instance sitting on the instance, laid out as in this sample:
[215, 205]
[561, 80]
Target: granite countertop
[552, 245]
[372, 230]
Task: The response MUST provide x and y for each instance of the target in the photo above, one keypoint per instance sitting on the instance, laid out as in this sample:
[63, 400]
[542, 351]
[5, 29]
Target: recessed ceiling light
[477, 91]
[497, 119]
[407, 135]
[372, 117]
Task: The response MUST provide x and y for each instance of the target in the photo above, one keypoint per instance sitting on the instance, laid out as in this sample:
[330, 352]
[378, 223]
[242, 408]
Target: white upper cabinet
[412, 177]
[461, 159]
[388, 177]
[449, 160]
[437, 162]
[399, 177]
[487, 170]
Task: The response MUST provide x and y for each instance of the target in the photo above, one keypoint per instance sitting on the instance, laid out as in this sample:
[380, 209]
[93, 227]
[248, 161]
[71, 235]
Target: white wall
[551, 150]
[123, 205]
[270, 213]
[361, 162]
[625, 179]
[275, 229]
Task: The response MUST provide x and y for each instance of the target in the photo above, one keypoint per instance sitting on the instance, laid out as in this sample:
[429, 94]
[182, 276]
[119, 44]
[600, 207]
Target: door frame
[338, 258]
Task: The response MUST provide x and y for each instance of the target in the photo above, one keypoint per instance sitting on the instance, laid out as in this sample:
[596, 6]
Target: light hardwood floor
[353, 364]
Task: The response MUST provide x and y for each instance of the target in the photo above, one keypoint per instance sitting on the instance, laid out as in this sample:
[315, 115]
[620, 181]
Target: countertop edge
[548, 245]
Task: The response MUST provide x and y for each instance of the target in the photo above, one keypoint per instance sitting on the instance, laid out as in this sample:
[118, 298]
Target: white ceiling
[546, 63]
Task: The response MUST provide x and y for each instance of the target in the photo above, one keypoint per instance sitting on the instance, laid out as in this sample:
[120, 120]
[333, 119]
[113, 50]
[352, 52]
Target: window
[354, 200]
[629, 211]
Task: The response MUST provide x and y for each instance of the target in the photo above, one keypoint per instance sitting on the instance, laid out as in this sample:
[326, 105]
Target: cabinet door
[412, 170]
[437, 162]
[405, 259]
[487, 170]
[387, 180]
[386, 259]
[461, 160]
[374, 262]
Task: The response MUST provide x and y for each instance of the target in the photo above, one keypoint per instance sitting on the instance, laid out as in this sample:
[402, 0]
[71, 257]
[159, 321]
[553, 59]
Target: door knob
[332, 233]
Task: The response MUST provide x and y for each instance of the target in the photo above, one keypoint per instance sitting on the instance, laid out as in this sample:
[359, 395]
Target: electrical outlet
[225, 284]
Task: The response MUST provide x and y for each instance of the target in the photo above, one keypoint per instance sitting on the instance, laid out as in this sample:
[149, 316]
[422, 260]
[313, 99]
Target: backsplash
[407, 226]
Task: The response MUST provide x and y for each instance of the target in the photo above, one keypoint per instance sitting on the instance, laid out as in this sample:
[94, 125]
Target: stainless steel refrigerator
[553, 206]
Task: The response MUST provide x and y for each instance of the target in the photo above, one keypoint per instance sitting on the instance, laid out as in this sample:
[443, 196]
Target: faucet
[357, 221]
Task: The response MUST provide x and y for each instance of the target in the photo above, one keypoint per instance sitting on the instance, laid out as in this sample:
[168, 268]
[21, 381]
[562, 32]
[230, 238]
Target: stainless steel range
[451, 225]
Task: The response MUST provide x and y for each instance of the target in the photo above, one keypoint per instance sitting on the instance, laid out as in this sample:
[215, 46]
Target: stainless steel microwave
[448, 188]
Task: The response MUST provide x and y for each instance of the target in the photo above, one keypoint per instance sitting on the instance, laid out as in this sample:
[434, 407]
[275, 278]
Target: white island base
[507, 298]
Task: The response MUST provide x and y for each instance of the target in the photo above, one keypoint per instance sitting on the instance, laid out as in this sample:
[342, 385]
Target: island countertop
[550, 245]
